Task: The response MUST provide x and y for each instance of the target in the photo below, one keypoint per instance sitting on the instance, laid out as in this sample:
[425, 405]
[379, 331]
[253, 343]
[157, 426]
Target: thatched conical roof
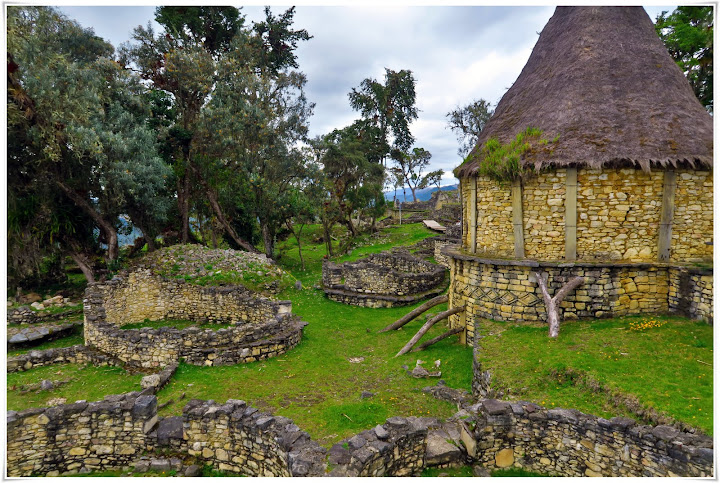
[602, 81]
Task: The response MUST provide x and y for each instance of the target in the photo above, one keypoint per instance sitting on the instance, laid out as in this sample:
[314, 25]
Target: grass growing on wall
[665, 362]
[85, 382]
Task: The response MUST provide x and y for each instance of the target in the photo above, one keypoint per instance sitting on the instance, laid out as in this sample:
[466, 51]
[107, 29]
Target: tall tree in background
[79, 127]
[467, 122]
[688, 35]
[387, 110]
[182, 62]
[411, 166]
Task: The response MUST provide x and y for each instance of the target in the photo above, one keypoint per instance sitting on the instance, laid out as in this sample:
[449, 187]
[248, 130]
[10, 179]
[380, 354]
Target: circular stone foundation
[259, 327]
[383, 280]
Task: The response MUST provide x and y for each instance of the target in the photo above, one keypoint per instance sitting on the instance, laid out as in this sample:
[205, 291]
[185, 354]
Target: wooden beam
[666, 216]
[571, 213]
[445, 335]
[517, 219]
[414, 313]
[472, 222]
[427, 326]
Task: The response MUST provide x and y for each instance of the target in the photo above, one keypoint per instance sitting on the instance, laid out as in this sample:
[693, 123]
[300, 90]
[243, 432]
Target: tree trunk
[427, 326]
[413, 193]
[268, 239]
[415, 312]
[297, 238]
[107, 228]
[447, 334]
[184, 207]
[328, 238]
[84, 265]
[212, 198]
[552, 303]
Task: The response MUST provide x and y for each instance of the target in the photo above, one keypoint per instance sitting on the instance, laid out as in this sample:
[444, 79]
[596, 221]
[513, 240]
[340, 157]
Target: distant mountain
[422, 195]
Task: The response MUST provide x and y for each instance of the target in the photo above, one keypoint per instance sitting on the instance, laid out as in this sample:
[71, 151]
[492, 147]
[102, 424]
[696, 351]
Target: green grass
[174, 323]
[86, 382]
[461, 471]
[71, 340]
[661, 360]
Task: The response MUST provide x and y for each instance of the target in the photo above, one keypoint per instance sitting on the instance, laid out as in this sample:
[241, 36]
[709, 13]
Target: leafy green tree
[432, 178]
[411, 166]
[467, 122]
[688, 35]
[387, 110]
[79, 127]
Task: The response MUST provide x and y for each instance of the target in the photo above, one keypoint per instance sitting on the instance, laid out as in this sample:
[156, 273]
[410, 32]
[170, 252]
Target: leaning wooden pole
[411, 315]
[426, 327]
[447, 334]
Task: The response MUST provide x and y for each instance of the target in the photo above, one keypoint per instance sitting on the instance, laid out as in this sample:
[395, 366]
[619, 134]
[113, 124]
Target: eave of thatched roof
[601, 80]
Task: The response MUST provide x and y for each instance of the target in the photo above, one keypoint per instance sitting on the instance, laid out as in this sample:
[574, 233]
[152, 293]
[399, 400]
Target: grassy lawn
[85, 382]
[663, 361]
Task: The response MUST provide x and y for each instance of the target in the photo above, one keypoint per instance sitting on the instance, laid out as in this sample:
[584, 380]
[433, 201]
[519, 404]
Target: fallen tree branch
[447, 334]
[415, 312]
[427, 326]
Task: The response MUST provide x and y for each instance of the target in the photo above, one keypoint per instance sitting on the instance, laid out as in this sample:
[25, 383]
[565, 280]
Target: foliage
[688, 35]
[410, 167]
[503, 162]
[432, 178]
[387, 109]
[467, 122]
[79, 133]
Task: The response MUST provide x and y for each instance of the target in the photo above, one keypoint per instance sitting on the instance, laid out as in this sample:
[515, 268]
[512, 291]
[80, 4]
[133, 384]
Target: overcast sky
[456, 54]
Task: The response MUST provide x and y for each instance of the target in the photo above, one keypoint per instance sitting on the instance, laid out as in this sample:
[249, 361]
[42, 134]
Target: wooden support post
[571, 214]
[445, 335]
[517, 219]
[427, 326]
[666, 216]
[472, 221]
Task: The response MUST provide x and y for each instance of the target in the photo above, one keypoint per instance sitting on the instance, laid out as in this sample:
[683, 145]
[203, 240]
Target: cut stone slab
[439, 451]
[504, 458]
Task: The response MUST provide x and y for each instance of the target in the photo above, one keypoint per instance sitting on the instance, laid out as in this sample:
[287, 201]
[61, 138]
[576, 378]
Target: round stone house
[614, 183]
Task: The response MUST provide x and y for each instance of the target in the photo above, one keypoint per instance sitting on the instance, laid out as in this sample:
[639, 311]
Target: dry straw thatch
[602, 81]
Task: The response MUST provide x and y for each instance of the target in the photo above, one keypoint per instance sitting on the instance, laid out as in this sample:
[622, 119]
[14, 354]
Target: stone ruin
[383, 280]
[120, 431]
[259, 327]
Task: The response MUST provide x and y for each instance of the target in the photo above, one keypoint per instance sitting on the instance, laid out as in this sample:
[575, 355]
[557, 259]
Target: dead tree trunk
[411, 315]
[447, 334]
[552, 303]
[426, 327]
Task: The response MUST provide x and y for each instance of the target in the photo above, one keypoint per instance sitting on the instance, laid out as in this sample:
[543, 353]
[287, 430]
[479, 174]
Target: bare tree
[552, 303]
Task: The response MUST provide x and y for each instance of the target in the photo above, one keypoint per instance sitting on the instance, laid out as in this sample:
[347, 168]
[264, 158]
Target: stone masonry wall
[507, 289]
[691, 293]
[385, 279]
[618, 216]
[77, 354]
[139, 295]
[693, 220]
[236, 438]
[544, 216]
[92, 436]
[566, 442]
[262, 328]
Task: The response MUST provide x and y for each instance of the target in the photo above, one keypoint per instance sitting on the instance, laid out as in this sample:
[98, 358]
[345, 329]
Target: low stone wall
[235, 345]
[236, 438]
[382, 280]
[261, 327]
[566, 442]
[507, 290]
[81, 436]
[77, 354]
[691, 293]
[139, 295]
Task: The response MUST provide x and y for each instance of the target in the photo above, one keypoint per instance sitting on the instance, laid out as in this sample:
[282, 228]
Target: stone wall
[507, 290]
[382, 280]
[691, 293]
[81, 436]
[238, 439]
[77, 354]
[261, 327]
[618, 215]
[139, 295]
[566, 442]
